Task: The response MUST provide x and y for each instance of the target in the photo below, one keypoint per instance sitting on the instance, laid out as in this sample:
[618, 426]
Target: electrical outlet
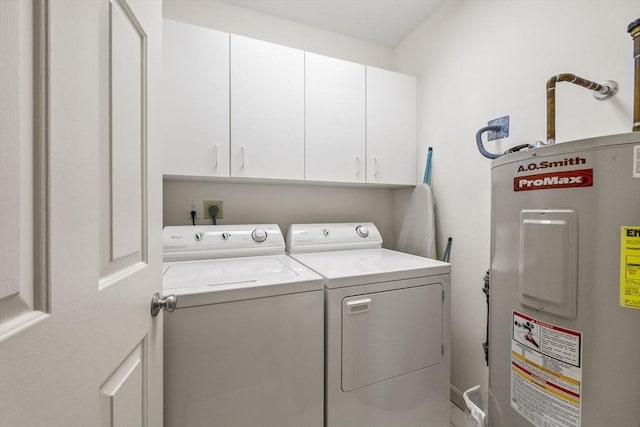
[192, 205]
[208, 203]
[502, 133]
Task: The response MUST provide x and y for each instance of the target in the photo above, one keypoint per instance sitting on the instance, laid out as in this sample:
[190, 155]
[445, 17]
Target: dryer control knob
[362, 231]
[325, 232]
[225, 236]
[259, 235]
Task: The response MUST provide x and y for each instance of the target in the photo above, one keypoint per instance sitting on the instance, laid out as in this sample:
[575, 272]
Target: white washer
[245, 345]
[386, 327]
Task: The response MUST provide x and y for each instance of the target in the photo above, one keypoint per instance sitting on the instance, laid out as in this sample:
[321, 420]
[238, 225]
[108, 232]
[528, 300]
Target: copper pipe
[551, 97]
[634, 30]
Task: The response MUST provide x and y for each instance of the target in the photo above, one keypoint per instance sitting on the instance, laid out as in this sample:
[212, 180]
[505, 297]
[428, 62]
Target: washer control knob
[325, 232]
[259, 235]
[362, 231]
[225, 236]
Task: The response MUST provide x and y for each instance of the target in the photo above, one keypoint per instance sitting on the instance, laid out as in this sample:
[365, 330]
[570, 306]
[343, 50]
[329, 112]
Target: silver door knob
[168, 303]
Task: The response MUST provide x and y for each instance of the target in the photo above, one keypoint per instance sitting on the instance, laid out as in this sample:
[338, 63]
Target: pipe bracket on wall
[503, 132]
[610, 88]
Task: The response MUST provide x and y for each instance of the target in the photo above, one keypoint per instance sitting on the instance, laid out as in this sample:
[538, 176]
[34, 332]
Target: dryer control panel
[302, 238]
[182, 243]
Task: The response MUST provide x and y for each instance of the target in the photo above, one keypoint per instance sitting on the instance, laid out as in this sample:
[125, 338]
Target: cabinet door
[391, 127]
[334, 120]
[267, 110]
[196, 100]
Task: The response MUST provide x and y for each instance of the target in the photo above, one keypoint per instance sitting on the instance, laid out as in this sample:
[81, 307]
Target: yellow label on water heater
[630, 266]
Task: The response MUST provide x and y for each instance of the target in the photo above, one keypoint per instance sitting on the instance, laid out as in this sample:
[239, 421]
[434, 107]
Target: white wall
[240, 20]
[277, 203]
[479, 60]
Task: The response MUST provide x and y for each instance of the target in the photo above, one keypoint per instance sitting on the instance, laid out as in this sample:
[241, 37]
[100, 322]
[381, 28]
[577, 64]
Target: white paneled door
[80, 219]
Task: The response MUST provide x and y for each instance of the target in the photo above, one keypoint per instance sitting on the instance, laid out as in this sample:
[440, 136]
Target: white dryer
[245, 345]
[386, 327]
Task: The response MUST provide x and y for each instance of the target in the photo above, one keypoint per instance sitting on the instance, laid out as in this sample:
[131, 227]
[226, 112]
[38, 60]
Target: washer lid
[366, 266]
[211, 281]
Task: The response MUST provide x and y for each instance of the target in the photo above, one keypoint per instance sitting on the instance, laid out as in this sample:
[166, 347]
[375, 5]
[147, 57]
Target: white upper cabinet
[267, 110]
[391, 127]
[334, 120]
[196, 100]
[244, 108]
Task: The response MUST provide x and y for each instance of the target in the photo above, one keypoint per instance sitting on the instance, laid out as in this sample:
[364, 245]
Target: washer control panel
[303, 238]
[221, 241]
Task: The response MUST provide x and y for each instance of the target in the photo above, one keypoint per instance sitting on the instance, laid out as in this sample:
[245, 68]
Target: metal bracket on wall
[503, 122]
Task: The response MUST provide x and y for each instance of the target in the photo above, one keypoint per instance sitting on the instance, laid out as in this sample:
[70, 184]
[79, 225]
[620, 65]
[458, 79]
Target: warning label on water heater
[546, 372]
[630, 267]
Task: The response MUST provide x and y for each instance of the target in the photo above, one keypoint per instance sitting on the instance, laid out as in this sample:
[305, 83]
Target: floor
[457, 417]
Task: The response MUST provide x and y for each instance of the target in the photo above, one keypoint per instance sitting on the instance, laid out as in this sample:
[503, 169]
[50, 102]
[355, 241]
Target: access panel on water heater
[549, 261]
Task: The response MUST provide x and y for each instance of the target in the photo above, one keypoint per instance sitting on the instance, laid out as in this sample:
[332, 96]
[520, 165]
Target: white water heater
[564, 340]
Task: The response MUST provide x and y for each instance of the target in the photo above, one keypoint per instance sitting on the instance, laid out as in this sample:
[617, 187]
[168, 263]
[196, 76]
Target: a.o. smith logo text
[545, 181]
[545, 164]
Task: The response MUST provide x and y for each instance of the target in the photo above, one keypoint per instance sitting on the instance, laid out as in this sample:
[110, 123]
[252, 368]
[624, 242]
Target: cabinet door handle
[375, 166]
[242, 163]
[357, 165]
[215, 149]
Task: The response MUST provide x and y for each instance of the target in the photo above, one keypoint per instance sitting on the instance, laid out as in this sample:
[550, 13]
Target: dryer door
[388, 334]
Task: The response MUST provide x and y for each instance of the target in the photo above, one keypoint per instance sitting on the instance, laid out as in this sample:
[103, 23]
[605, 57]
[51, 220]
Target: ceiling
[384, 22]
